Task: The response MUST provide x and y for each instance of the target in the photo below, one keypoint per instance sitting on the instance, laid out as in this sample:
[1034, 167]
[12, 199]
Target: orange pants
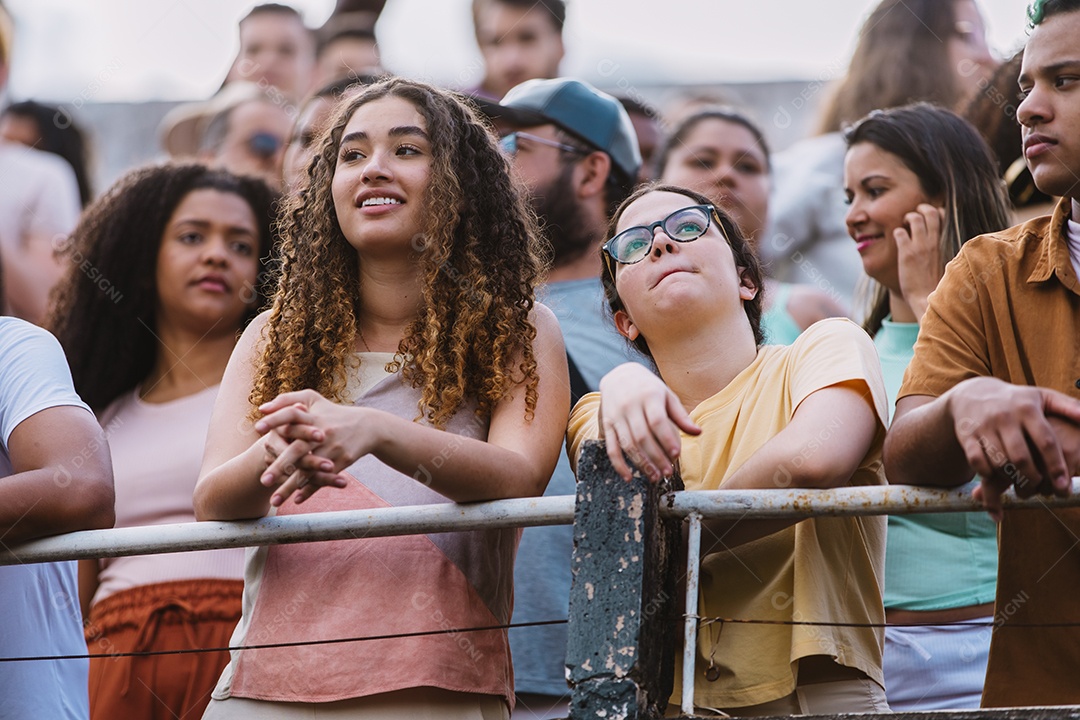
[163, 616]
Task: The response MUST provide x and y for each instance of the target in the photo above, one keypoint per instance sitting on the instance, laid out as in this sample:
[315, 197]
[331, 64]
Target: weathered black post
[621, 649]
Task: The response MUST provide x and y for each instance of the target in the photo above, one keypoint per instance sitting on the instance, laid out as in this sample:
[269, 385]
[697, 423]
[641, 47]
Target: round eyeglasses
[686, 225]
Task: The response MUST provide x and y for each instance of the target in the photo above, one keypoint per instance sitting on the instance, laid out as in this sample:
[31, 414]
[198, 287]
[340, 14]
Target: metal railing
[522, 512]
[527, 512]
[310, 527]
[801, 503]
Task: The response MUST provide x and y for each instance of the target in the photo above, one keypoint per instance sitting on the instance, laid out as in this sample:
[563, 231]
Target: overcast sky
[76, 51]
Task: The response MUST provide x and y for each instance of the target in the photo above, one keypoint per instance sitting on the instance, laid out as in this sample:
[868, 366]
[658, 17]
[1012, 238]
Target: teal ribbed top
[776, 322]
[941, 560]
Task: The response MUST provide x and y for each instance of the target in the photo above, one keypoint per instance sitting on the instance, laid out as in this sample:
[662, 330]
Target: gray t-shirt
[807, 239]
[39, 202]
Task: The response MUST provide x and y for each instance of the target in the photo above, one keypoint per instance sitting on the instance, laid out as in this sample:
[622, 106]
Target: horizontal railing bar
[307, 527]
[1021, 713]
[519, 512]
[844, 501]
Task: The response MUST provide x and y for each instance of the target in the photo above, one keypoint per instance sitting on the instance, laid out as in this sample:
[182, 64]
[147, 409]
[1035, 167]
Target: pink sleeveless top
[378, 586]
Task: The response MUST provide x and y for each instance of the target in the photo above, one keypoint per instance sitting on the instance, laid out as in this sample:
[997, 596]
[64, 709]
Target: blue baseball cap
[588, 114]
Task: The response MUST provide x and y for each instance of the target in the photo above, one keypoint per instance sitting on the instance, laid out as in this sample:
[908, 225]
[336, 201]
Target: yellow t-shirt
[819, 570]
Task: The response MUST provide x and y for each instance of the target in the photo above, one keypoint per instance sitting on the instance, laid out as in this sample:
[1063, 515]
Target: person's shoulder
[37, 163]
[543, 319]
[16, 333]
[808, 304]
[829, 342]
[832, 330]
[1024, 237]
[254, 336]
[34, 373]
[10, 324]
[542, 313]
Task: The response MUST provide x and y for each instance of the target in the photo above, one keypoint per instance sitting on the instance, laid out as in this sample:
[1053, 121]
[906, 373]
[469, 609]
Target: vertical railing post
[690, 628]
[623, 603]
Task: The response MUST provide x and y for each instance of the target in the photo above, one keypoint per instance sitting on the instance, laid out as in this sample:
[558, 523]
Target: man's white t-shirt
[39, 602]
[1073, 235]
[39, 201]
[38, 194]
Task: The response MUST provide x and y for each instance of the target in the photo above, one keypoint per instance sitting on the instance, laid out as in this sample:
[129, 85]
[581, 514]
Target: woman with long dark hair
[907, 51]
[920, 182]
[165, 271]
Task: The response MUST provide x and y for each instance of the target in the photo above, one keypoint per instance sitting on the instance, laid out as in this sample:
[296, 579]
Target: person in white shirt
[39, 206]
[56, 477]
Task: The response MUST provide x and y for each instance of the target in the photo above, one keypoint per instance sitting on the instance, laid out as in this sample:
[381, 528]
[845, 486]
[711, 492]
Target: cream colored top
[371, 371]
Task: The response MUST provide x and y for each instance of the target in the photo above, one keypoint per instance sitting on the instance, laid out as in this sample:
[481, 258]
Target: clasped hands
[308, 441]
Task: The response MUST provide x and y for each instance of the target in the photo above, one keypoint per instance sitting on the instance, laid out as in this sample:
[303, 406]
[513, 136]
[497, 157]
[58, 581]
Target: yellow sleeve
[584, 425]
[834, 351]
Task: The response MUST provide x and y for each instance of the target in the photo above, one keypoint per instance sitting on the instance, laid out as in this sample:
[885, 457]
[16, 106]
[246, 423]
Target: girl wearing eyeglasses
[920, 182]
[731, 413]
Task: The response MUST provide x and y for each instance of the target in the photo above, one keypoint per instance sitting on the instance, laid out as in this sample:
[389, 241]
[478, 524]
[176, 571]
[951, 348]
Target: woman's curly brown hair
[479, 260]
[104, 312]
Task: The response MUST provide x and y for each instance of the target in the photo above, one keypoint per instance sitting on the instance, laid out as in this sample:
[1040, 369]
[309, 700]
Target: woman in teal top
[920, 181]
[721, 154]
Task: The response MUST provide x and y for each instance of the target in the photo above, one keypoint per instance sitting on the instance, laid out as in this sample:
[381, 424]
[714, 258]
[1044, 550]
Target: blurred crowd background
[774, 58]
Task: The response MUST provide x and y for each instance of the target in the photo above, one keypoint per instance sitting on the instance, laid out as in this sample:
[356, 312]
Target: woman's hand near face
[918, 250]
[641, 417]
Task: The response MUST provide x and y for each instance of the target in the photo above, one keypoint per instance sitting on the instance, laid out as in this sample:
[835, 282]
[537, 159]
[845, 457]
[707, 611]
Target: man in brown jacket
[994, 387]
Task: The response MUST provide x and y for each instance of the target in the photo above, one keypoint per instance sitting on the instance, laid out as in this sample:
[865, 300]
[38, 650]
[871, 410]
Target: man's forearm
[50, 501]
[921, 447]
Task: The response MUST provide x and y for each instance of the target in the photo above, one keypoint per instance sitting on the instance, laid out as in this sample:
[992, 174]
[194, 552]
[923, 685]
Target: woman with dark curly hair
[165, 272]
[404, 362]
[683, 285]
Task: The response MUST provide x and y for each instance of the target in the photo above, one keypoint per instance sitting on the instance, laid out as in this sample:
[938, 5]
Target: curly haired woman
[164, 275]
[404, 362]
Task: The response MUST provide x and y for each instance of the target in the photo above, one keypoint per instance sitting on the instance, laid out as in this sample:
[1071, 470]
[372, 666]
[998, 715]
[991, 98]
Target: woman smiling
[404, 362]
[920, 182]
